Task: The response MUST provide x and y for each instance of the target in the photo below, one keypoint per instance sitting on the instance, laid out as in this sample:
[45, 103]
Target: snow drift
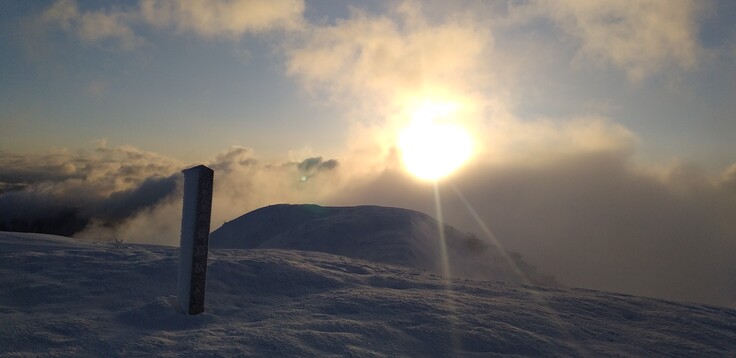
[374, 233]
[63, 297]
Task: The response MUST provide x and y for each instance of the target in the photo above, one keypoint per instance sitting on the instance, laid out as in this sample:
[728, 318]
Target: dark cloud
[309, 167]
[24, 177]
[25, 212]
[313, 165]
[33, 211]
[232, 159]
[123, 204]
[7, 187]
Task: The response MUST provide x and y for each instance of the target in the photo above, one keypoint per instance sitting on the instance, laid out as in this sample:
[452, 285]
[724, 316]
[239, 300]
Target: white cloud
[92, 26]
[516, 141]
[379, 67]
[214, 18]
[641, 37]
[230, 18]
[389, 56]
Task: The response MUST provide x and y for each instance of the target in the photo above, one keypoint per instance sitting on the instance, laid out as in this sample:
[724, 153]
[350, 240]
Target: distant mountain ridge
[380, 234]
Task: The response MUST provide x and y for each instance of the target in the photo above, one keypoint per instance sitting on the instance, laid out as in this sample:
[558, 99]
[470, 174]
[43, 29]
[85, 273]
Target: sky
[602, 132]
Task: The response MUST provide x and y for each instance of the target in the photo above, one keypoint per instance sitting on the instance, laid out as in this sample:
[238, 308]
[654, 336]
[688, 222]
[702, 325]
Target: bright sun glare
[432, 146]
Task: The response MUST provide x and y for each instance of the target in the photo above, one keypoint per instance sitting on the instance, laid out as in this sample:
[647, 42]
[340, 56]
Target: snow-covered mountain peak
[380, 234]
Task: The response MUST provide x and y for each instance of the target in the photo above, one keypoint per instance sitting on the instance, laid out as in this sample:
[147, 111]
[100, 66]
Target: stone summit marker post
[195, 232]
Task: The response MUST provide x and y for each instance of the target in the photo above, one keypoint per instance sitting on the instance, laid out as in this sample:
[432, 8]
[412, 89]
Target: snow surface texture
[380, 234]
[63, 297]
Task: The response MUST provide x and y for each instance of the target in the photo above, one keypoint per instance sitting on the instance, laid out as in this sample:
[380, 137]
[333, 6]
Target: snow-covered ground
[63, 297]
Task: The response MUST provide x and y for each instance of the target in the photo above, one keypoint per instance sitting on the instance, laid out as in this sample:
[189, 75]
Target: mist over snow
[67, 297]
[590, 219]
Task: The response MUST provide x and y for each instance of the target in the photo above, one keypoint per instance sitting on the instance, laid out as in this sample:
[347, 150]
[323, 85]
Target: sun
[432, 145]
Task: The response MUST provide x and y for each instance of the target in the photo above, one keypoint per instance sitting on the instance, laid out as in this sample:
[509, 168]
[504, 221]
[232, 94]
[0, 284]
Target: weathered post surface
[195, 232]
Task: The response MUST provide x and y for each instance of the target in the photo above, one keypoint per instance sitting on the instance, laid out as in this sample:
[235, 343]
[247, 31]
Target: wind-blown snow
[62, 297]
[380, 234]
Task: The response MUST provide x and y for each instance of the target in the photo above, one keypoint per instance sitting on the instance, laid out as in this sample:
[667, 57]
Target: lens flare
[431, 146]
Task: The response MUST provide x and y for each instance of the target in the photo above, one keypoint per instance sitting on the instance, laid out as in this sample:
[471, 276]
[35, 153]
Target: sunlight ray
[492, 237]
[534, 294]
[446, 272]
[445, 261]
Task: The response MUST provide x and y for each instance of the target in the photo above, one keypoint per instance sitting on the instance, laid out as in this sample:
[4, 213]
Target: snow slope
[374, 233]
[60, 297]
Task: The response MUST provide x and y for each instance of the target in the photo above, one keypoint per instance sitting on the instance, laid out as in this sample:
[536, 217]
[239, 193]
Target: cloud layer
[592, 218]
[107, 185]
